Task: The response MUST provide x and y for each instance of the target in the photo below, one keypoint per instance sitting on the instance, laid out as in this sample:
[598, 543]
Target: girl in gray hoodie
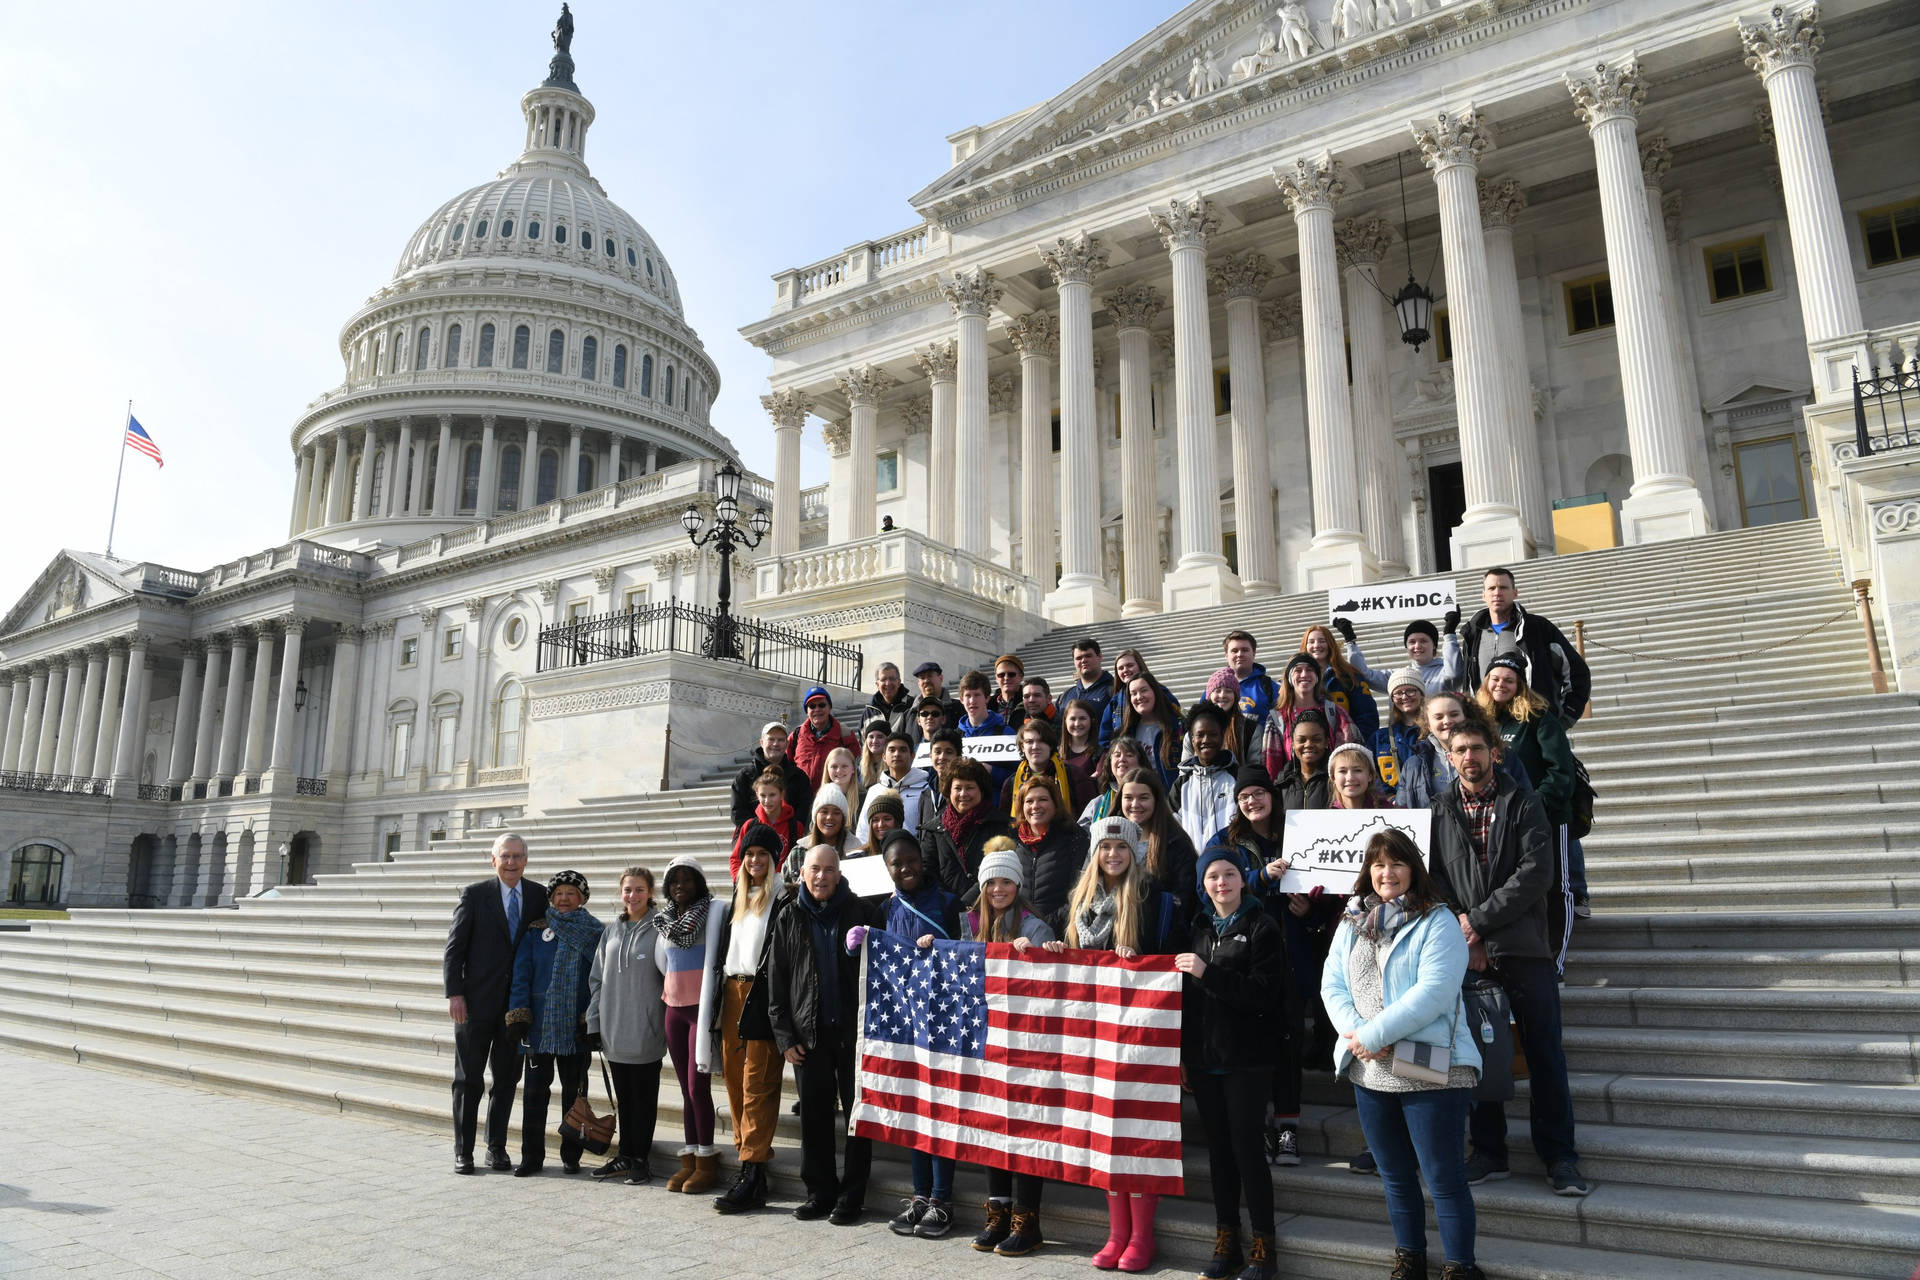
[626, 1022]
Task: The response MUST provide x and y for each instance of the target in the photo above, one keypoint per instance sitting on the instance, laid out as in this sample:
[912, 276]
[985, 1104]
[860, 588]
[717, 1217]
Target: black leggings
[1022, 1188]
[636, 1085]
[1231, 1109]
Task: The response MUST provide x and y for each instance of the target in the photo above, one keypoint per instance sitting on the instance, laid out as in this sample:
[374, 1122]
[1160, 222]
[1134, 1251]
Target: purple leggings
[696, 1087]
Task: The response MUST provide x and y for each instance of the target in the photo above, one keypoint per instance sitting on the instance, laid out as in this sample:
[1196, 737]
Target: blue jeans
[1417, 1133]
[1533, 988]
[932, 1176]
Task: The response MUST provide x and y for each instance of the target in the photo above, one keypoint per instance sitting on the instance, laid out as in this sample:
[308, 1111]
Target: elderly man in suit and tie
[487, 924]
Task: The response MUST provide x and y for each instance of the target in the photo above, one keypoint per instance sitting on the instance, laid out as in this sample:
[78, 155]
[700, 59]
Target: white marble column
[21, 679]
[838, 437]
[50, 716]
[863, 387]
[1201, 578]
[302, 492]
[570, 470]
[1339, 555]
[322, 489]
[342, 695]
[489, 470]
[70, 713]
[940, 360]
[1656, 158]
[1781, 49]
[415, 449]
[370, 449]
[1240, 280]
[233, 713]
[1491, 531]
[107, 739]
[1500, 207]
[133, 713]
[1036, 337]
[254, 753]
[972, 293]
[30, 717]
[86, 729]
[1363, 245]
[788, 409]
[1133, 308]
[206, 743]
[1664, 503]
[446, 475]
[185, 715]
[1082, 595]
[281, 759]
[530, 466]
[400, 477]
[340, 483]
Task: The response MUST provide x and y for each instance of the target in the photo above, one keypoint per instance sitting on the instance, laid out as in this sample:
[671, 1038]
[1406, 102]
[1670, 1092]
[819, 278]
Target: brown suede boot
[679, 1179]
[706, 1173]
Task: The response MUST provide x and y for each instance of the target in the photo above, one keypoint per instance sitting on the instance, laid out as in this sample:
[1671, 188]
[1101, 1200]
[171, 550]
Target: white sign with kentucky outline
[1396, 602]
[1325, 847]
[999, 749]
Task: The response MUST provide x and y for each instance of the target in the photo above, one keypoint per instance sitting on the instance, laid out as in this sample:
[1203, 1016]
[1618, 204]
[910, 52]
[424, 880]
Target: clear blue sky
[200, 195]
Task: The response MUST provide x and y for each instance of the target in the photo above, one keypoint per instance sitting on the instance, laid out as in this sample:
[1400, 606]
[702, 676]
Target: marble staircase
[1741, 1010]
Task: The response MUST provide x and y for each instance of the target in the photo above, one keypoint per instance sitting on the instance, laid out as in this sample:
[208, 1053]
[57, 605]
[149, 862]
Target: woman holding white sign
[1392, 987]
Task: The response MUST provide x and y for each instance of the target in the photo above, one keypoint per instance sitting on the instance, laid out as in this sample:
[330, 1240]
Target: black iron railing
[199, 791]
[309, 786]
[66, 784]
[1884, 397]
[158, 791]
[674, 627]
[225, 787]
[253, 785]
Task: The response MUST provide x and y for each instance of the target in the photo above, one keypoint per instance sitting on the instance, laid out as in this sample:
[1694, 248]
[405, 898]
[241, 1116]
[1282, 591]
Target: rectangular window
[451, 642]
[636, 599]
[409, 651]
[1589, 304]
[1891, 233]
[1737, 269]
[886, 472]
[402, 743]
[1442, 336]
[445, 730]
[579, 610]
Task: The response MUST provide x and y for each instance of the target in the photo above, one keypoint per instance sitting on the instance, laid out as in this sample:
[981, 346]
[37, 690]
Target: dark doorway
[140, 866]
[1446, 503]
[300, 857]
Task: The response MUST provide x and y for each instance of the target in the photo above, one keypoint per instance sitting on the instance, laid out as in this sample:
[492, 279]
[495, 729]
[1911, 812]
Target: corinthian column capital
[1501, 202]
[939, 359]
[838, 437]
[971, 291]
[1281, 317]
[916, 415]
[787, 407]
[1656, 159]
[865, 385]
[1454, 137]
[1789, 36]
[1186, 224]
[1363, 241]
[1035, 334]
[1317, 183]
[1611, 91]
[1242, 277]
[1074, 259]
[1133, 306]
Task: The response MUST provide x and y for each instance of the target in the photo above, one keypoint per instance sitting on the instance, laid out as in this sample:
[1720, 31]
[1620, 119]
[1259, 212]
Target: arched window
[632, 261]
[649, 268]
[556, 351]
[446, 731]
[480, 230]
[589, 358]
[560, 235]
[522, 339]
[548, 486]
[379, 474]
[509, 719]
[646, 375]
[452, 360]
[459, 229]
[509, 479]
[39, 868]
[583, 480]
[470, 479]
[420, 345]
[620, 365]
[393, 354]
[668, 386]
[609, 246]
[483, 358]
[432, 485]
[533, 229]
[506, 228]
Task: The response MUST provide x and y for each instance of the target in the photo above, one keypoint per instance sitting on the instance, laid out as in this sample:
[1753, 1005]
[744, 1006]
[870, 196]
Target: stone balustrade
[899, 555]
[860, 264]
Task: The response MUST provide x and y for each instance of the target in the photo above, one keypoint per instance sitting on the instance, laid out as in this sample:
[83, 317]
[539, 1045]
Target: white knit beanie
[830, 794]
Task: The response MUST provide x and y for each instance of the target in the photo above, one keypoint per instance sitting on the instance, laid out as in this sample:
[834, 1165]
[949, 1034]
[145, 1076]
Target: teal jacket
[1420, 980]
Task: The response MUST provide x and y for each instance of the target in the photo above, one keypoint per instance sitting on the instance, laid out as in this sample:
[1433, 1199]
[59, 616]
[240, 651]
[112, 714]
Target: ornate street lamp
[725, 534]
[300, 694]
[1414, 303]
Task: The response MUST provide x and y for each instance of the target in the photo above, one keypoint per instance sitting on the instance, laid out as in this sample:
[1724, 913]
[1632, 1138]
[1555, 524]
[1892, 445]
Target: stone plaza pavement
[104, 1174]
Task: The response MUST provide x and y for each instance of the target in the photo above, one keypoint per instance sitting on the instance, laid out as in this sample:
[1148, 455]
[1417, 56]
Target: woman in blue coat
[547, 1011]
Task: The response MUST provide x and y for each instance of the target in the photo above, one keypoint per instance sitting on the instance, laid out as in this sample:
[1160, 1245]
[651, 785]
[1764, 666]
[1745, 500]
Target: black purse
[1489, 1019]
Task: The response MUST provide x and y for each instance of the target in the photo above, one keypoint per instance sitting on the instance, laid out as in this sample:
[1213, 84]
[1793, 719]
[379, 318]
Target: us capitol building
[1147, 346]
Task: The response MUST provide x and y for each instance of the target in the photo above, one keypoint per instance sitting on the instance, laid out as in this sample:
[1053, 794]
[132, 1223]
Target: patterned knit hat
[573, 878]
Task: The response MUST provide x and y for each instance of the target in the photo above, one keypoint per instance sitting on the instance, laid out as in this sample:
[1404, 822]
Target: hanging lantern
[1414, 304]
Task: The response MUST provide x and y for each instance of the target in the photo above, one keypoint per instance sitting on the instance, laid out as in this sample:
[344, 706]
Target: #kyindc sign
[1400, 602]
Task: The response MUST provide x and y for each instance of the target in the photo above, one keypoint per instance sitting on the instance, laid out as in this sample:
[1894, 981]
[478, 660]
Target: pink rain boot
[1139, 1254]
[1119, 1215]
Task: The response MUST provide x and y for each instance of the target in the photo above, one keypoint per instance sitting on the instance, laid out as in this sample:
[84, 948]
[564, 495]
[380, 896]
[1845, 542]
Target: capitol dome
[532, 336]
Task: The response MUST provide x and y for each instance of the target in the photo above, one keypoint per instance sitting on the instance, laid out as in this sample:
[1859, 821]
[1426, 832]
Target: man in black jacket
[1491, 857]
[813, 1002]
[771, 751]
[891, 704]
[477, 971]
[1555, 670]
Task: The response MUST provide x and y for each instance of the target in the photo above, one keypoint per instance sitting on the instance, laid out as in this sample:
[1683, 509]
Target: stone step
[1753, 931]
[1589, 965]
[1865, 1011]
[1888, 1057]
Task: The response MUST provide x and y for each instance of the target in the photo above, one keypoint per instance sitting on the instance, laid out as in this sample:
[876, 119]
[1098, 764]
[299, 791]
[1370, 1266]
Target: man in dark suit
[487, 924]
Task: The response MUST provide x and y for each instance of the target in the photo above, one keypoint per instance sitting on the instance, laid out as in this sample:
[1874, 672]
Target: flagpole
[119, 471]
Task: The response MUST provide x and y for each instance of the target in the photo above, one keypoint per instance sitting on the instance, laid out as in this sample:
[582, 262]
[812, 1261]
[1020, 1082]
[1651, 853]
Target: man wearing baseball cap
[819, 734]
[933, 684]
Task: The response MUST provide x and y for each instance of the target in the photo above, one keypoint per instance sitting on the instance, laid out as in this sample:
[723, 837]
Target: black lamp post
[300, 694]
[1414, 303]
[726, 534]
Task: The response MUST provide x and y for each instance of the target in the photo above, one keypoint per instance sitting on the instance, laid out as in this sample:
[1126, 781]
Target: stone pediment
[73, 582]
[1211, 57]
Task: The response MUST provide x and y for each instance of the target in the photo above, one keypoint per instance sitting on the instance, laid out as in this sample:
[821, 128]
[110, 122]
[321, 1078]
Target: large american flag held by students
[1066, 1066]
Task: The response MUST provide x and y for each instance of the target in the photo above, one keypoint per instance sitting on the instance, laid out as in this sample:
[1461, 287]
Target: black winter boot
[1025, 1237]
[999, 1227]
[1227, 1258]
[1408, 1265]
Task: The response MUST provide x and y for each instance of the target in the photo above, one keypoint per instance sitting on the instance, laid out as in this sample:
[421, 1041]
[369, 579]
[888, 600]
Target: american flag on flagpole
[1065, 1066]
[138, 439]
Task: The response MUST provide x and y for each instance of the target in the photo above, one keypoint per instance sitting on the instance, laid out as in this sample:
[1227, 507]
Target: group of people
[1128, 822]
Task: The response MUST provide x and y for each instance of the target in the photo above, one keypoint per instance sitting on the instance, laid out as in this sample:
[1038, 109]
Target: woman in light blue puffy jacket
[1392, 988]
